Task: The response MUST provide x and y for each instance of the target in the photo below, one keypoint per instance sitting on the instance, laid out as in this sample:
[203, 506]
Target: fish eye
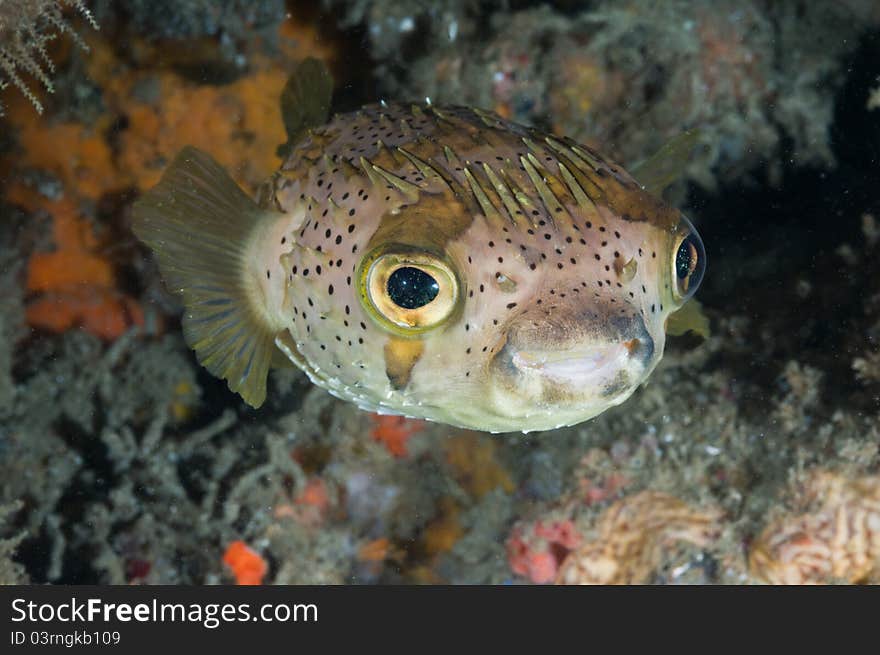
[412, 292]
[689, 264]
[410, 287]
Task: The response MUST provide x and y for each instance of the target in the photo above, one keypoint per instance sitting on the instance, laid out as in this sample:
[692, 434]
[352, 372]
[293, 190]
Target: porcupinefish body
[437, 262]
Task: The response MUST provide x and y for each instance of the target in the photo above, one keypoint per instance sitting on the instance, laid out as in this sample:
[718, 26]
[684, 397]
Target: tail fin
[199, 224]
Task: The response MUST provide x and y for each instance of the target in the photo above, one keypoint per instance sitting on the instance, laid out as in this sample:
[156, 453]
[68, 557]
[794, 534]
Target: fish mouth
[590, 365]
[544, 377]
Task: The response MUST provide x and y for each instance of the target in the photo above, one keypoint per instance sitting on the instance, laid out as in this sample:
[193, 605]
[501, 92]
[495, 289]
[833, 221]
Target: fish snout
[569, 330]
[589, 358]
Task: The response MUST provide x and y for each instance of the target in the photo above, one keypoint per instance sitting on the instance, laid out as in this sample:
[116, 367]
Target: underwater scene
[453, 292]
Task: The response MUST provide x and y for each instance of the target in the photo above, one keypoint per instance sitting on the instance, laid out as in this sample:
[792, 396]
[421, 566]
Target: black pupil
[684, 263]
[411, 288]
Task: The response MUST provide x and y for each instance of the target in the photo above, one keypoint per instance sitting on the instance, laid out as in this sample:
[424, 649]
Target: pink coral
[633, 536]
[832, 534]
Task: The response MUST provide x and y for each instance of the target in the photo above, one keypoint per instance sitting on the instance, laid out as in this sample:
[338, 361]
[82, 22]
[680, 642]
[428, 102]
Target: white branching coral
[26, 28]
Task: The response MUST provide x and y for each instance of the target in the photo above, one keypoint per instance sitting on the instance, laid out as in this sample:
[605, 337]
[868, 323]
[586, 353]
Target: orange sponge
[247, 565]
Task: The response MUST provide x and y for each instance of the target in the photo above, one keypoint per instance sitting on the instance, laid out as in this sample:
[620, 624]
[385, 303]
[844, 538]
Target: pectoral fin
[690, 318]
[199, 224]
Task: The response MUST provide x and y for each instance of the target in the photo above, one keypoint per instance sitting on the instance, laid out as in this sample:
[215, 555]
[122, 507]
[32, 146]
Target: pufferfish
[436, 262]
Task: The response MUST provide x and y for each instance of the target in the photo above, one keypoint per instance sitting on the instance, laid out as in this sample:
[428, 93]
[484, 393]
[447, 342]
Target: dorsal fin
[666, 165]
[305, 100]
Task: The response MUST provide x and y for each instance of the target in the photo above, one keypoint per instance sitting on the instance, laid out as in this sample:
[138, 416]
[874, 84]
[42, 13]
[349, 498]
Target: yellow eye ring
[409, 293]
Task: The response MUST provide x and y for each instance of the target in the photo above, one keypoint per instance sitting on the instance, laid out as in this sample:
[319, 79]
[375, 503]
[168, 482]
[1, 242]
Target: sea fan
[26, 27]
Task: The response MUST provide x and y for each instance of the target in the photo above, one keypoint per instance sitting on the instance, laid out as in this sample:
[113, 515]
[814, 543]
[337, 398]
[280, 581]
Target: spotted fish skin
[564, 267]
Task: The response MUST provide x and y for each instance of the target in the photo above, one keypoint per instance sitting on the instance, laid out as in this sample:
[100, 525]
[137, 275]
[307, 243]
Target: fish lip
[587, 365]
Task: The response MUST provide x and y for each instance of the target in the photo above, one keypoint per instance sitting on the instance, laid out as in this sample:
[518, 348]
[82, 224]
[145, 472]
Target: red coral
[394, 432]
[535, 551]
[247, 565]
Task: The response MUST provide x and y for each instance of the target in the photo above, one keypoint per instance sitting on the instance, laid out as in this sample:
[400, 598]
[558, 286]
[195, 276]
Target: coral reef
[11, 572]
[867, 365]
[757, 79]
[11, 308]
[202, 18]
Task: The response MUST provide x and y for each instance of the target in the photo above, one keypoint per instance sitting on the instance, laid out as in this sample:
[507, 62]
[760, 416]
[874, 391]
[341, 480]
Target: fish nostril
[640, 348]
[633, 346]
